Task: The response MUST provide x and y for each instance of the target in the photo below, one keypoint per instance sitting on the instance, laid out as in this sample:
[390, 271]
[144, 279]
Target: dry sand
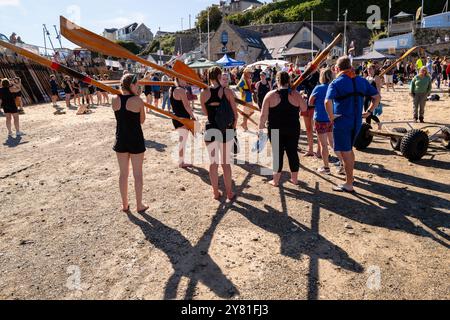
[63, 236]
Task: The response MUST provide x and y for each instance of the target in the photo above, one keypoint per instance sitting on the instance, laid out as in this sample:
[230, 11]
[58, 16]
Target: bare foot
[309, 154]
[185, 165]
[142, 209]
[126, 209]
[217, 195]
[294, 182]
[273, 183]
[231, 197]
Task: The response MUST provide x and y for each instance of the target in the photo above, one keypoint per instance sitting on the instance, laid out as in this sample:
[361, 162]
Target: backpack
[224, 114]
[434, 97]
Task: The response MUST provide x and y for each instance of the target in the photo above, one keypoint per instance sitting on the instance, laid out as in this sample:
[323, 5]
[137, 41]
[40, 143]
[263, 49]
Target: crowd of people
[332, 102]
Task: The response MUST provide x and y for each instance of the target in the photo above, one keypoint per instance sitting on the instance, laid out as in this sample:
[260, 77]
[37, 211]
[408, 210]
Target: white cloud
[10, 3]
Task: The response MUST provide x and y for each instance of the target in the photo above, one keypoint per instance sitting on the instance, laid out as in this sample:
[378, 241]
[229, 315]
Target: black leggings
[287, 142]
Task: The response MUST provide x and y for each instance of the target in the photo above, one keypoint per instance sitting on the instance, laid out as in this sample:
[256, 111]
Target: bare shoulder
[272, 94]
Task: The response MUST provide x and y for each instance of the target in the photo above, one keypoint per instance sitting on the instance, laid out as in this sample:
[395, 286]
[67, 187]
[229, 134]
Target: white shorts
[389, 79]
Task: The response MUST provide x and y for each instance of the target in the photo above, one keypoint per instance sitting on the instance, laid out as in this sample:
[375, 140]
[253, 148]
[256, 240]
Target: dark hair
[283, 78]
[5, 83]
[326, 76]
[344, 63]
[127, 80]
[214, 73]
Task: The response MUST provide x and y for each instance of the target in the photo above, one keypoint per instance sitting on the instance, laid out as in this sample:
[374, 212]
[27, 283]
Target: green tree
[215, 19]
[130, 46]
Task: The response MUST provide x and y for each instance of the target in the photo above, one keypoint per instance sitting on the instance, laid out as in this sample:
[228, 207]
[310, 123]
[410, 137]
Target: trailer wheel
[415, 145]
[396, 142]
[446, 140]
[364, 138]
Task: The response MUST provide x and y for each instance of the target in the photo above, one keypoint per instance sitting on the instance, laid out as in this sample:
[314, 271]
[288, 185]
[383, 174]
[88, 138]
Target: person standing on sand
[245, 87]
[219, 142]
[282, 109]
[68, 90]
[323, 125]
[181, 108]
[420, 89]
[54, 89]
[344, 104]
[9, 107]
[17, 90]
[130, 144]
[263, 87]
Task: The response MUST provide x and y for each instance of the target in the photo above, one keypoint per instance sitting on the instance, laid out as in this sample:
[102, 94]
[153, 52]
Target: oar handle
[392, 66]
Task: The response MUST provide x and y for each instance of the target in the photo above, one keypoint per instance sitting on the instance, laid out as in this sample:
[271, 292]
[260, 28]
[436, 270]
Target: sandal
[341, 188]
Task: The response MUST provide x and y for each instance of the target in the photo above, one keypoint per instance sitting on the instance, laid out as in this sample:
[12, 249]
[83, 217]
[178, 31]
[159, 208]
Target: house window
[281, 50]
[305, 35]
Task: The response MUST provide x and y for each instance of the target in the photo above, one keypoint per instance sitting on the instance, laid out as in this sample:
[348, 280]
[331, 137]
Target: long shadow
[187, 260]
[385, 214]
[403, 178]
[297, 239]
[432, 163]
[14, 142]
[313, 275]
[160, 147]
[202, 173]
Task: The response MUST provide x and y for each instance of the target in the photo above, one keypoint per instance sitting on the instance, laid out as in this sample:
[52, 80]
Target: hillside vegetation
[327, 10]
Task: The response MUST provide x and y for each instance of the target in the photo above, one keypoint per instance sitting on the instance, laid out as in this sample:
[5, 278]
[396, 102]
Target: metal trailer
[411, 142]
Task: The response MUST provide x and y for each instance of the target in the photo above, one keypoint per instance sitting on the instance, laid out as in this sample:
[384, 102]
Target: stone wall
[429, 39]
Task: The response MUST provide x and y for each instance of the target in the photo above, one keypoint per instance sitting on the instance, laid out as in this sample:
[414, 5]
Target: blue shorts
[344, 139]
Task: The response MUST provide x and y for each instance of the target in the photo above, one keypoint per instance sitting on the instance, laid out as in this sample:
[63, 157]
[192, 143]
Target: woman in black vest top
[218, 142]
[180, 106]
[282, 109]
[8, 104]
[130, 143]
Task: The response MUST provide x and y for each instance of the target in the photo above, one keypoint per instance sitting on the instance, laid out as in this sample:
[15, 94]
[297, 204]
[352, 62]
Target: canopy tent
[113, 64]
[270, 63]
[374, 55]
[202, 63]
[228, 62]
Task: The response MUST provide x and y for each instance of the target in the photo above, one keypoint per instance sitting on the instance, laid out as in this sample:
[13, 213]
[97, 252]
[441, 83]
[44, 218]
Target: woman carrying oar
[220, 132]
[182, 109]
[130, 143]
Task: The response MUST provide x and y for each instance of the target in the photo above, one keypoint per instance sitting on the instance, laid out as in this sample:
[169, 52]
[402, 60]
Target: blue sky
[25, 17]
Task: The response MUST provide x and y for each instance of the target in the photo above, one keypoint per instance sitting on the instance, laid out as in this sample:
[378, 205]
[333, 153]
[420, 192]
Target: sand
[63, 236]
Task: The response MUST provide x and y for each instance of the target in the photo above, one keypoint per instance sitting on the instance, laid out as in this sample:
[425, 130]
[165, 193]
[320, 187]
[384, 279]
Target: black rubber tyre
[446, 140]
[397, 142]
[364, 138]
[415, 145]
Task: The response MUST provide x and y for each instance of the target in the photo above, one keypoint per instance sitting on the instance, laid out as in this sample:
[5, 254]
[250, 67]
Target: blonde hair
[326, 76]
[424, 69]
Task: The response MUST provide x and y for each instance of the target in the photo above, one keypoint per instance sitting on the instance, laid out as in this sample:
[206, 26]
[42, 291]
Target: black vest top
[285, 116]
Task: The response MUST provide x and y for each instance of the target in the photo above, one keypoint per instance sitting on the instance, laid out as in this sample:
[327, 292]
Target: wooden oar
[403, 57]
[190, 124]
[181, 67]
[315, 64]
[143, 83]
[94, 42]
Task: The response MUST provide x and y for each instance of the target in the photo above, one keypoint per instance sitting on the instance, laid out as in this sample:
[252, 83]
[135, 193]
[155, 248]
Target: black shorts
[76, 91]
[67, 91]
[91, 90]
[213, 134]
[157, 94]
[55, 92]
[10, 109]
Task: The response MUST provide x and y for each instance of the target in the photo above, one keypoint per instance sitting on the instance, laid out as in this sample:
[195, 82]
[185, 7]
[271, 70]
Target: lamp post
[345, 32]
[209, 44]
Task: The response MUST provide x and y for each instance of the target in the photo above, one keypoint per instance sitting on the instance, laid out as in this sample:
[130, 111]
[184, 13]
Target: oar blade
[182, 68]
